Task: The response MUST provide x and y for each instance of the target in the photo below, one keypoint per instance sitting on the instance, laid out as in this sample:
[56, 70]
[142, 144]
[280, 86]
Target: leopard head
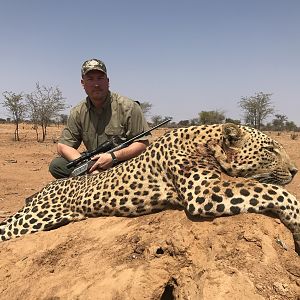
[253, 154]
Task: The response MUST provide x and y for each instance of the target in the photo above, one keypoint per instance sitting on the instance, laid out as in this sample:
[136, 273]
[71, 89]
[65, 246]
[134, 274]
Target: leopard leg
[13, 217]
[233, 197]
[30, 222]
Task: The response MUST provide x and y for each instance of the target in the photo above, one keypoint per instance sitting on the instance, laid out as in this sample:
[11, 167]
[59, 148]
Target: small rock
[280, 288]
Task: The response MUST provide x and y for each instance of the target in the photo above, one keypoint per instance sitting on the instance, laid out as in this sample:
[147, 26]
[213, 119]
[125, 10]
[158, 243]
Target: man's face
[95, 84]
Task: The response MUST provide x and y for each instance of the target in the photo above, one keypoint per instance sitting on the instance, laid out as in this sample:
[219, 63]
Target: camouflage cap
[93, 64]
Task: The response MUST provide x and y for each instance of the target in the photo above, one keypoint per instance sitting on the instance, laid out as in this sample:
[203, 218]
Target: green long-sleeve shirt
[119, 118]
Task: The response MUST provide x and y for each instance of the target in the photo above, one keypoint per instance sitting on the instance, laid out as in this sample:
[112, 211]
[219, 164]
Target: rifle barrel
[128, 142]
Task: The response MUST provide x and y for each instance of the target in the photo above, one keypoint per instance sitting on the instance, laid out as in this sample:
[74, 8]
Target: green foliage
[291, 126]
[194, 122]
[281, 123]
[44, 104]
[229, 120]
[156, 119]
[14, 104]
[256, 109]
[63, 118]
[211, 117]
[184, 123]
[146, 107]
[278, 123]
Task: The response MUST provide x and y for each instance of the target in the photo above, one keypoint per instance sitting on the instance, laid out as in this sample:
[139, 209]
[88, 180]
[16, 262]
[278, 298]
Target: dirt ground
[160, 256]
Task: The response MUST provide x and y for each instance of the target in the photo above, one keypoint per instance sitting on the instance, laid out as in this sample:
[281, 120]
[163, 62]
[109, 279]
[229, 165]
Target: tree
[183, 123]
[291, 126]
[44, 104]
[60, 119]
[63, 119]
[279, 122]
[194, 121]
[229, 120]
[146, 107]
[211, 117]
[16, 108]
[256, 109]
[156, 119]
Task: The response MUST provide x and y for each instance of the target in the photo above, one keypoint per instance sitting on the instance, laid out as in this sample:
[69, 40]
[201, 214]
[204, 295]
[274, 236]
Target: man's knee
[58, 168]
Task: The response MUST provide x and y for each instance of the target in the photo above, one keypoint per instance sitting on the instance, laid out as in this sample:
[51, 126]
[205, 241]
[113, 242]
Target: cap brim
[92, 69]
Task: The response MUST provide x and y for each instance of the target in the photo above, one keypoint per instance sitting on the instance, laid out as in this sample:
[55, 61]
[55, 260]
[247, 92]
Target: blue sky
[181, 56]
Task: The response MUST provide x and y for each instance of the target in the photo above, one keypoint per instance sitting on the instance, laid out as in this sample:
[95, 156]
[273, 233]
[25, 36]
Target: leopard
[197, 169]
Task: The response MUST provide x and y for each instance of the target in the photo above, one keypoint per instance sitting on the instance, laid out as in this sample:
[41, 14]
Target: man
[102, 116]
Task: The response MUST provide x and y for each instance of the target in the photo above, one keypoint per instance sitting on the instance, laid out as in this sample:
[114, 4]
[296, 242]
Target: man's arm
[104, 160]
[67, 152]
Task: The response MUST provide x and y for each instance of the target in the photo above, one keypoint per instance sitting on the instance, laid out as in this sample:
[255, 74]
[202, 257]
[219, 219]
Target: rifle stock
[106, 147]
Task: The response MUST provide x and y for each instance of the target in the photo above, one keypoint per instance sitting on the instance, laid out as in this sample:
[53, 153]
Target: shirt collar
[107, 102]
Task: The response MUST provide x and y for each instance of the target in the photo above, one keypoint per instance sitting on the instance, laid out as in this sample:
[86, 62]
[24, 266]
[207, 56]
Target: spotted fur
[184, 168]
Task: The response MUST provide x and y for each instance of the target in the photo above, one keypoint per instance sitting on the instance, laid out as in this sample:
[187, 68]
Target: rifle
[84, 162]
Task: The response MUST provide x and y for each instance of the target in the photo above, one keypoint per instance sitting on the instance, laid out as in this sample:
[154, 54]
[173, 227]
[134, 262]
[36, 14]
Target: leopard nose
[293, 171]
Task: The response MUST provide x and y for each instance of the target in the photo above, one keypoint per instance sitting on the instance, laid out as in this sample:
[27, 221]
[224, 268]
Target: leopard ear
[232, 134]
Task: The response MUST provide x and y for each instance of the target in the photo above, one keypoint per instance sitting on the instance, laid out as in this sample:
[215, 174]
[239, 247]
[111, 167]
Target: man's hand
[103, 162]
